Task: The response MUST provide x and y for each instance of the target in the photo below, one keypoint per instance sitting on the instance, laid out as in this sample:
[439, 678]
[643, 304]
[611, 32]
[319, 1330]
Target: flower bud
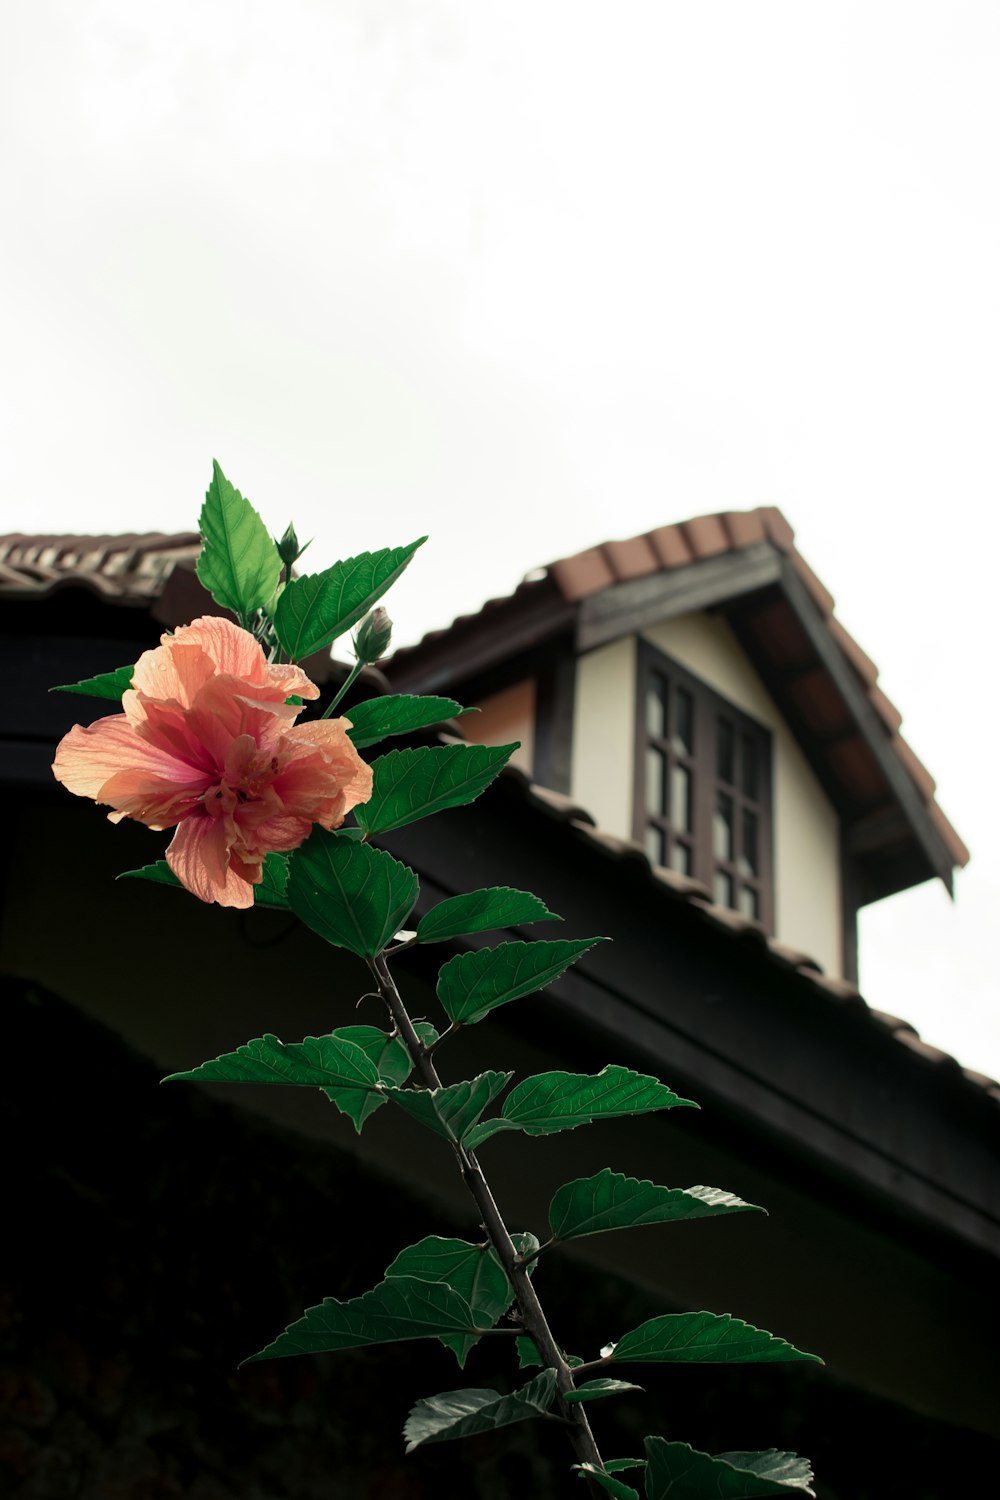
[288, 548]
[373, 636]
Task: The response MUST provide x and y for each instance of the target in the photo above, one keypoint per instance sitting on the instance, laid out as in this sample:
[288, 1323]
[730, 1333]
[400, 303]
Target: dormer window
[703, 787]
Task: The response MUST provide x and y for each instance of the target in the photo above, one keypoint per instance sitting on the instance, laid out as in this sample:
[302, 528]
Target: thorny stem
[533, 1319]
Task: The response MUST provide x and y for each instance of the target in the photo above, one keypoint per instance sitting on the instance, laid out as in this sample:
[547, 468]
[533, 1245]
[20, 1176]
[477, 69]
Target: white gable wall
[806, 833]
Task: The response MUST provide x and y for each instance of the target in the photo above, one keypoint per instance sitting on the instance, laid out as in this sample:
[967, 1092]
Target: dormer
[692, 689]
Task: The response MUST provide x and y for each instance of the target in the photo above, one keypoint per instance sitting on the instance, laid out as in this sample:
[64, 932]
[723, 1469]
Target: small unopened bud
[373, 636]
[288, 548]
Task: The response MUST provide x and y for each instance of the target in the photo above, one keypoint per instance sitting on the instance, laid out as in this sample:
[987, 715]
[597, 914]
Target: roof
[733, 926]
[135, 570]
[746, 564]
[131, 568]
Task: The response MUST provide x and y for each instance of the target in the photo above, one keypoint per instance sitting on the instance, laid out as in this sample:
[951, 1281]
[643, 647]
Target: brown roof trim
[734, 925]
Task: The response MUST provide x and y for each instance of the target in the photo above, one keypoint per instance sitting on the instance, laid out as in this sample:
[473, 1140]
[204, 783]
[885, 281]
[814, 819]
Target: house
[710, 774]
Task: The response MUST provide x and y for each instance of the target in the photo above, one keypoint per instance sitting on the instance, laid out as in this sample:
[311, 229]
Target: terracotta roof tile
[959, 850]
[778, 529]
[670, 546]
[919, 773]
[859, 660]
[706, 536]
[887, 712]
[745, 528]
[632, 559]
[822, 596]
[586, 573]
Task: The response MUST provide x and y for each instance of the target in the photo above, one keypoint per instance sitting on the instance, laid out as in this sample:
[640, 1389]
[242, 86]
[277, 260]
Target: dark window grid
[708, 709]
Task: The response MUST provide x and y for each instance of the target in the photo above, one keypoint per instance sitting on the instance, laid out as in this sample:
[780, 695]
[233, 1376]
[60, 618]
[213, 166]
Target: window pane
[680, 857]
[656, 707]
[654, 843]
[654, 782]
[748, 903]
[723, 888]
[722, 828]
[683, 738]
[748, 857]
[680, 798]
[724, 749]
[749, 767]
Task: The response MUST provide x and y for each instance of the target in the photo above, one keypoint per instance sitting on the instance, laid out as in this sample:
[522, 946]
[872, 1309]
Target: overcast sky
[529, 276]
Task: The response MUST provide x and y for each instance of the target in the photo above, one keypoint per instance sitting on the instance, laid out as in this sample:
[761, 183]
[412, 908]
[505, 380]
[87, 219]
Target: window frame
[708, 707]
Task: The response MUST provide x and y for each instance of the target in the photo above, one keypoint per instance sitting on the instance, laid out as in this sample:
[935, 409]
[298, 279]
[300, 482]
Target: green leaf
[610, 1200]
[391, 1060]
[413, 784]
[238, 562]
[470, 985]
[676, 1471]
[354, 896]
[456, 1414]
[399, 1308]
[703, 1338]
[473, 1271]
[528, 1355]
[318, 607]
[453, 1110]
[561, 1101]
[380, 718]
[109, 685]
[270, 892]
[613, 1486]
[316, 1062]
[594, 1390]
[482, 911]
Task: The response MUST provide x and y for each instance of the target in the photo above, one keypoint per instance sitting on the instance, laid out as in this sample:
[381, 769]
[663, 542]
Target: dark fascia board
[817, 1078]
[869, 723]
[626, 608]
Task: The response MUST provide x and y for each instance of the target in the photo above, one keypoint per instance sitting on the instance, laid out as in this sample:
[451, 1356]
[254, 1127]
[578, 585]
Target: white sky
[528, 276]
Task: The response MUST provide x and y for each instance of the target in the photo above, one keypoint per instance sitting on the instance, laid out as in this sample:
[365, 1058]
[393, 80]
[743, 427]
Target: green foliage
[610, 1200]
[456, 1414]
[596, 1390]
[391, 1061]
[354, 896]
[473, 1271]
[399, 1308]
[453, 1110]
[380, 718]
[549, 1102]
[470, 985]
[703, 1338]
[110, 685]
[318, 607]
[413, 784]
[528, 1355]
[482, 911]
[239, 562]
[270, 892]
[606, 1480]
[675, 1471]
[322, 1062]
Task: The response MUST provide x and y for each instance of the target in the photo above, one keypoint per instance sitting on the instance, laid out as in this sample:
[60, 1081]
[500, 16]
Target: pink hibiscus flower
[207, 742]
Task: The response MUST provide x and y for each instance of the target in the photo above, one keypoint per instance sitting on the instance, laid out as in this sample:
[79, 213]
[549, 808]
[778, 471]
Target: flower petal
[198, 854]
[174, 671]
[88, 757]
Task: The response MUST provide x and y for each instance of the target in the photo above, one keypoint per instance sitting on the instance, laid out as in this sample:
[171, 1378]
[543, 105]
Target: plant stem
[348, 682]
[533, 1319]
